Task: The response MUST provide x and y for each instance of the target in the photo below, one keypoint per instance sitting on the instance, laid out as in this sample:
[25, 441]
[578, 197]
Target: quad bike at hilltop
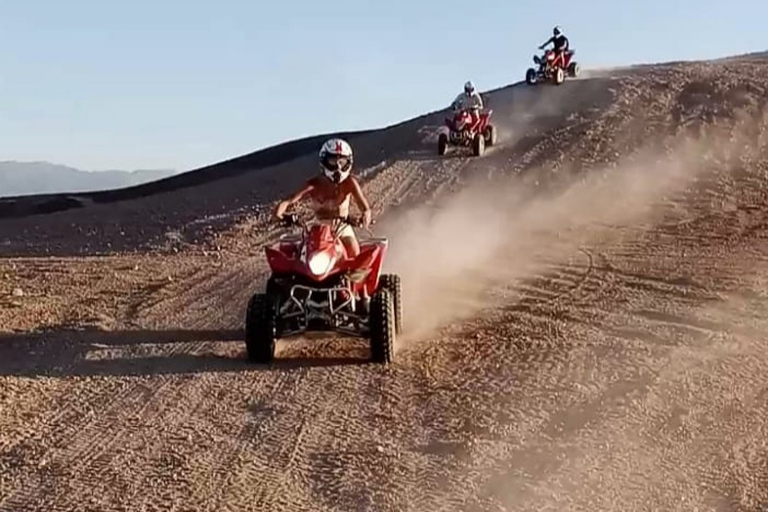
[462, 132]
[315, 286]
[553, 68]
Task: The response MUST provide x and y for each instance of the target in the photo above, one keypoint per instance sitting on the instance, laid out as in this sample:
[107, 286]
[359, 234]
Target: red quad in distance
[552, 68]
[463, 133]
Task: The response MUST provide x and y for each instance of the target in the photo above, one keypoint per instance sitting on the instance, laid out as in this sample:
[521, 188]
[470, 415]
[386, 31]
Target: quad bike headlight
[320, 263]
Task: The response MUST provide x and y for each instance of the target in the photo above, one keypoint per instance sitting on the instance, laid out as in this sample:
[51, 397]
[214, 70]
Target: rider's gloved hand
[355, 221]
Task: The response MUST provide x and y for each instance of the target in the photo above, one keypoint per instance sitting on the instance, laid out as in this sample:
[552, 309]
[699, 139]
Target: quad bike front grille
[332, 306]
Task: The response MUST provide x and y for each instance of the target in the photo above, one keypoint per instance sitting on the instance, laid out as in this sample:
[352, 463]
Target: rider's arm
[550, 40]
[361, 201]
[282, 206]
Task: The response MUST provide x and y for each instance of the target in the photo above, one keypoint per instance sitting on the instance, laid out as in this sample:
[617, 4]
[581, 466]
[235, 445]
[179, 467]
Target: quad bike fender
[372, 284]
[278, 261]
[483, 120]
[287, 248]
[369, 262]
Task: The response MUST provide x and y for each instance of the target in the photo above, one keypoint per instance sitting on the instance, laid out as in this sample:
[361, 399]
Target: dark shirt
[560, 42]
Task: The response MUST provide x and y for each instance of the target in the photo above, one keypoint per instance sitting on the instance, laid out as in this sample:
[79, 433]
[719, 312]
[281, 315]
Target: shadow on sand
[65, 352]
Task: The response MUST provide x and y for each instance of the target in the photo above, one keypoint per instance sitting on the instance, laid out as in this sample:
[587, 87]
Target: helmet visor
[335, 162]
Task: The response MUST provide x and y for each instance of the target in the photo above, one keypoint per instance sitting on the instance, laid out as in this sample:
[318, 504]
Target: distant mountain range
[24, 178]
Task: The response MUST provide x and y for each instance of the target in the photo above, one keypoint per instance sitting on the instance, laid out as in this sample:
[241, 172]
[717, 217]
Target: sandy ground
[585, 319]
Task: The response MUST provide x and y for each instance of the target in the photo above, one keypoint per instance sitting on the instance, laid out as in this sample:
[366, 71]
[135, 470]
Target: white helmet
[469, 87]
[336, 160]
[557, 30]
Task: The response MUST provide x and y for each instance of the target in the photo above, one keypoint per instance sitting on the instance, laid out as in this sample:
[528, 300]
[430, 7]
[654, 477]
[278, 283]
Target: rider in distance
[558, 40]
[469, 100]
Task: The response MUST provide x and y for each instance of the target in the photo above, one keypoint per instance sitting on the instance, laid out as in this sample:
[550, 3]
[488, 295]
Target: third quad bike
[461, 132]
[552, 67]
[315, 286]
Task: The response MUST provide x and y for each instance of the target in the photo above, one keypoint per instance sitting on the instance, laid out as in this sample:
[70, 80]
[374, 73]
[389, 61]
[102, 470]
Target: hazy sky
[179, 84]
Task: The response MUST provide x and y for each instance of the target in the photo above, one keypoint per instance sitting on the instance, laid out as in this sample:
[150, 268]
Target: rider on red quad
[331, 191]
[559, 41]
[470, 101]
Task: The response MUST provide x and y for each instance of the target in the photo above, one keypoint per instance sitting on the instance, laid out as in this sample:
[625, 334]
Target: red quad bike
[314, 286]
[552, 68]
[461, 132]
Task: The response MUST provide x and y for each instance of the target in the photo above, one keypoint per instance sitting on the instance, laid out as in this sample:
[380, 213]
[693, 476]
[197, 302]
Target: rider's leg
[353, 249]
[351, 245]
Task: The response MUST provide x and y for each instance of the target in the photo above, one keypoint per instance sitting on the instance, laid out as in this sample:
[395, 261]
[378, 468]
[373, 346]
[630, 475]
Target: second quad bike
[552, 67]
[315, 286]
[461, 131]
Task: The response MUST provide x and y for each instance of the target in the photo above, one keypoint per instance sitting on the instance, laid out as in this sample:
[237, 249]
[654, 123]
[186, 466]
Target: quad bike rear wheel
[559, 76]
[478, 144]
[490, 135]
[530, 76]
[392, 283]
[383, 326]
[442, 144]
[260, 329]
[573, 69]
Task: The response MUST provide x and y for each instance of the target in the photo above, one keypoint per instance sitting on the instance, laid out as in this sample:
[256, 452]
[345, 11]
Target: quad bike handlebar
[293, 219]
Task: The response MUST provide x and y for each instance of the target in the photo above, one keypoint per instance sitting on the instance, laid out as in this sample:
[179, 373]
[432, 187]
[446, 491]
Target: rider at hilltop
[558, 40]
[469, 100]
[331, 191]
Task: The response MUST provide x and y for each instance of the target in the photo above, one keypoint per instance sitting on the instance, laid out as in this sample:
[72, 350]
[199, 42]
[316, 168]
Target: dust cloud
[490, 235]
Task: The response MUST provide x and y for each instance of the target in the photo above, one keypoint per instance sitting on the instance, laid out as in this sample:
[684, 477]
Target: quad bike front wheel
[530, 76]
[559, 76]
[392, 283]
[478, 144]
[490, 135]
[260, 329]
[442, 144]
[573, 69]
[383, 326]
